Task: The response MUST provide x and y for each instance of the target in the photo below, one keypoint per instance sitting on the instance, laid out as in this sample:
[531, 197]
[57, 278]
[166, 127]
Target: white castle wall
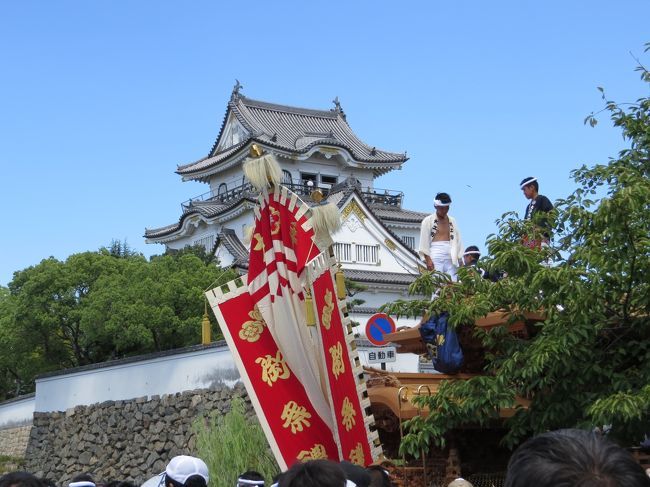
[197, 368]
[17, 411]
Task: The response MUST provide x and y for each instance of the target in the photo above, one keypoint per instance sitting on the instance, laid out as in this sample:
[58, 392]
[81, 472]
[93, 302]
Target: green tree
[588, 364]
[96, 306]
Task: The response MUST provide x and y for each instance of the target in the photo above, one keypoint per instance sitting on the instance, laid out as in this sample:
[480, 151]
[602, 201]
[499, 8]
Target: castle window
[206, 242]
[356, 253]
[367, 254]
[409, 241]
[306, 177]
[286, 177]
[328, 180]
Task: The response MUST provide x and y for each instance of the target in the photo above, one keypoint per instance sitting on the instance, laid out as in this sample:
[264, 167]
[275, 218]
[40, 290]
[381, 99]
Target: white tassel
[263, 171]
[325, 220]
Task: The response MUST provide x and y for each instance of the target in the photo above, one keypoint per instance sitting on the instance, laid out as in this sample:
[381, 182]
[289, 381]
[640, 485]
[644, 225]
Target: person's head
[471, 255]
[186, 471]
[378, 476]
[530, 187]
[250, 478]
[441, 203]
[82, 480]
[20, 479]
[570, 458]
[460, 482]
[315, 473]
[356, 474]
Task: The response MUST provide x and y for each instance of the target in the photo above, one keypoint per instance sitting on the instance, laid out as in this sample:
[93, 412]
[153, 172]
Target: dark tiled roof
[229, 239]
[208, 209]
[379, 277]
[392, 213]
[295, 130]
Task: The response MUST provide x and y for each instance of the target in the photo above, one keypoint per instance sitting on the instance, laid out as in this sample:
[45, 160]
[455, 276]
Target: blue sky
[100, 101]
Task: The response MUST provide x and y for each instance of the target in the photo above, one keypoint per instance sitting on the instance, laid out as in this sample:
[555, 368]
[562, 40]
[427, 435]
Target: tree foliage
[96, 306]
[588, 364]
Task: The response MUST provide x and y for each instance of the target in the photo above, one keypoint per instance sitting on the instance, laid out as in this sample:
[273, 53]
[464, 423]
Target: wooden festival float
[391, 396]
[287, 326]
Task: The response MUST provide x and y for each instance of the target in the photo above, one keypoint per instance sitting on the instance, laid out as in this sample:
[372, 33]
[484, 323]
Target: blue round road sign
[378, 327]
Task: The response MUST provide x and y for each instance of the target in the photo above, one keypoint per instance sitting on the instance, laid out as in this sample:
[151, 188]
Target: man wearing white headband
[250, 478]
[82, 480]
[538, 204]
[441, 246]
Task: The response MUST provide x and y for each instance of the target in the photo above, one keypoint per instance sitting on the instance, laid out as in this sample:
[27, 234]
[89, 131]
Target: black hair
[573, 458]
[251, 475]
[315, 473]
[83, 477]
[524, 183]
[443, 198]
[378, 476]
[356, 474]
[191, 481]
[20, 479]
[120, 483]
[473, 248]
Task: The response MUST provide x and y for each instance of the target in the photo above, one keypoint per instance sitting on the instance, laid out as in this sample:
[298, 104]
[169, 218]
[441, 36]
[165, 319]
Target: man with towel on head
[440, 242]
[250, 478]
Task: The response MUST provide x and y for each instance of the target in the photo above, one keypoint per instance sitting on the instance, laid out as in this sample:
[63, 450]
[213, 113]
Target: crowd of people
[563, 458]
[441, 244]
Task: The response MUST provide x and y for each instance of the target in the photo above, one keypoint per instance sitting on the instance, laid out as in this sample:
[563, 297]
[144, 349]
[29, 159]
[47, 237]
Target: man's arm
[425, 240]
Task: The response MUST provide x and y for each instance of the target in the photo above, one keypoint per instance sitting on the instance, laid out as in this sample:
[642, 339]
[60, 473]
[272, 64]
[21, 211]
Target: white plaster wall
[190, 370]
[237, 224]
[16, 412]
[233, 177]
[376, 298]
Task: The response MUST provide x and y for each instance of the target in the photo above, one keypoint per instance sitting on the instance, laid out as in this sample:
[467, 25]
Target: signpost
[377, 327]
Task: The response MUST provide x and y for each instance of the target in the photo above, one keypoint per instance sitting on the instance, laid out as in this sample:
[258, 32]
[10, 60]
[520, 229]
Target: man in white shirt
[441, 245]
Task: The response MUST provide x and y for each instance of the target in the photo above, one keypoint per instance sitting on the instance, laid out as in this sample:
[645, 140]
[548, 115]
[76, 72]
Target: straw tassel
[263, 171]
[340, 283]
[325, 219]
[310, 316]
[206, 337]
[248, 235]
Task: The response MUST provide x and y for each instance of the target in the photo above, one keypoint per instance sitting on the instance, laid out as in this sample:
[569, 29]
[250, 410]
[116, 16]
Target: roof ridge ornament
[337, 107]
[235, 91]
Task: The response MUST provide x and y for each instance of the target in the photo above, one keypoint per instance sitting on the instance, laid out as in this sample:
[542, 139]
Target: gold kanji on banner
[251, 330]
[259, 242]
[293, 232]
[317, 452]
[326, 317]
[348, 413]
[295, 416]
[338, 366]
[275, 219]
[357, 456]
[273, 368]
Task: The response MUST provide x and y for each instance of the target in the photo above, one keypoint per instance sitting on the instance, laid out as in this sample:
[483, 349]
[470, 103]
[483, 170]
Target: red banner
[293, 428]
[343, 369]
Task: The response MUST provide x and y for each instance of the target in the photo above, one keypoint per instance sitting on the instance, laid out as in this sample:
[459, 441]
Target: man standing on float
[440, 242]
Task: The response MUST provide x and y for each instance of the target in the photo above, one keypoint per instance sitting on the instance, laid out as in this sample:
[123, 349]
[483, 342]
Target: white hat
[460, 482]
[182, 467]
